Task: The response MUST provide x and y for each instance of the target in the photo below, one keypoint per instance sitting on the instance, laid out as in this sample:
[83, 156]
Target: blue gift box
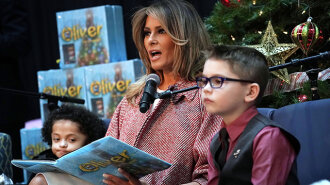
[91, 36]
[31, 145]
[107, 83]
[61, 82]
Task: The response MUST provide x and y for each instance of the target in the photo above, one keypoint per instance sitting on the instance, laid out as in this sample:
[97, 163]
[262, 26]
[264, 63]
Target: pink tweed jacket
[178, 131]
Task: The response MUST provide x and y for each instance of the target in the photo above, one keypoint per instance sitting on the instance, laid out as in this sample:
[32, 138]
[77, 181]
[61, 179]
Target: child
[259, 151]
[67, 129]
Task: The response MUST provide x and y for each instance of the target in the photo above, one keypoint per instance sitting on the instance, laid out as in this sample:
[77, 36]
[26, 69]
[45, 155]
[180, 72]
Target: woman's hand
[113, 180]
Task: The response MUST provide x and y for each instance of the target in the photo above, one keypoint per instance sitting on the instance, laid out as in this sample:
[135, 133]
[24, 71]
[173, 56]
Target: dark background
[40, 51]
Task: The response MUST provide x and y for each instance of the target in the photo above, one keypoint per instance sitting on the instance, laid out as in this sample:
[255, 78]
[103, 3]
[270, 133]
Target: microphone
[149, 92]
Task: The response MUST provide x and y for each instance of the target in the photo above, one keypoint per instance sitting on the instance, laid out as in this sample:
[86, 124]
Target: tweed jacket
[178, 130]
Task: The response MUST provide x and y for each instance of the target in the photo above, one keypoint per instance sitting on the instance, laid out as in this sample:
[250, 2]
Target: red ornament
[228, 3]
[307, 36]
[302, 98]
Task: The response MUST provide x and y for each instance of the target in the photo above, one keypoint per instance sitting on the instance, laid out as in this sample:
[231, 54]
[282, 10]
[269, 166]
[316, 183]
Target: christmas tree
[243, 21]
[249, 22]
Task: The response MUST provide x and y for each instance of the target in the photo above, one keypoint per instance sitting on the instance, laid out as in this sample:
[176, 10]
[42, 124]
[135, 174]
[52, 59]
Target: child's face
[66, 137]
[228, 100]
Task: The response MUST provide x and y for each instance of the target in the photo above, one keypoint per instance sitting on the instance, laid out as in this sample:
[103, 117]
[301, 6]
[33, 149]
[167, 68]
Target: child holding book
[67, 129]
[249, 148]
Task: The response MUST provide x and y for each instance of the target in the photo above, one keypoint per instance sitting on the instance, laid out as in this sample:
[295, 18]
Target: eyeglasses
[216, 81]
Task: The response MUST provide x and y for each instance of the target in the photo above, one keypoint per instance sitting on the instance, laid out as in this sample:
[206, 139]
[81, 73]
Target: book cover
[107, 83]
[31, 145]
[61, 82]
[104, 155]
[31, 142]
[91, 36]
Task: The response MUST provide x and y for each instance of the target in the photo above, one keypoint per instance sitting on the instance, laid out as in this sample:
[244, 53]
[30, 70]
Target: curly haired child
[66, 129]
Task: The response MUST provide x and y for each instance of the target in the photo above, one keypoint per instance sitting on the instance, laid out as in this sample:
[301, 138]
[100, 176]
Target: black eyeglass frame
[208, 80]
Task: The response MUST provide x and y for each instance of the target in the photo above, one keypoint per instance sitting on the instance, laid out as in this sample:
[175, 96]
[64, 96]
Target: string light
[232, 37]
[254, 2]
[305, 9]
[261, 12]
[285, 32]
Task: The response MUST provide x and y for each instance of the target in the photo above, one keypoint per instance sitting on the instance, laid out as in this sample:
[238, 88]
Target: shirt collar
[236, 127]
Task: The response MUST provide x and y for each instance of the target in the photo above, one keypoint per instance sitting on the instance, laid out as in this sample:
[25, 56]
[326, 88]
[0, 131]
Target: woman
[169, 36]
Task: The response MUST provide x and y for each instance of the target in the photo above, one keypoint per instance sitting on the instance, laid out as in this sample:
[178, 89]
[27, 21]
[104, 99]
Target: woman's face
[66, 137]
[159, 45]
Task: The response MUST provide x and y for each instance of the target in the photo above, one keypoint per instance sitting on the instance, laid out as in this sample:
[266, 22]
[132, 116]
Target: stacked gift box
[91, 36]
[93, 63]
[107, 83]
[93, 67]
[61, 82]
[31, 145]
[102, 86]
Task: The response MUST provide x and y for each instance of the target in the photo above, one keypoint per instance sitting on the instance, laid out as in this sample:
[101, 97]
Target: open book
[105, 155]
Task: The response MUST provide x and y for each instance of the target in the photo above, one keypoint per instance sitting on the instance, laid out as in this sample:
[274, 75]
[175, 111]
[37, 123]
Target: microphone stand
[296, 62]
[52, 101]
[312, 73]
[169, 93]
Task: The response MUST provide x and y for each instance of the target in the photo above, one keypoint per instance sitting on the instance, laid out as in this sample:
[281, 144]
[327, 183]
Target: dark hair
[89, 123]
[247, 63]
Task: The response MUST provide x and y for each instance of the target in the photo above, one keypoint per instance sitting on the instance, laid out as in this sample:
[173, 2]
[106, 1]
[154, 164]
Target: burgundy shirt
[272, 155]
[177, 130]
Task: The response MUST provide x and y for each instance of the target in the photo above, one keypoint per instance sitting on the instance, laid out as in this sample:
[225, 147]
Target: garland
[279, 99]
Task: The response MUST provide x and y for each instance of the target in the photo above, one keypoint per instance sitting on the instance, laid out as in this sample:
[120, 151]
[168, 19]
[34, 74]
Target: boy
[259, 151]
[67, 129]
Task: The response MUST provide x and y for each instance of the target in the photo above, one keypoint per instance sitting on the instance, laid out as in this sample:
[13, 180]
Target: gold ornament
[275, 52]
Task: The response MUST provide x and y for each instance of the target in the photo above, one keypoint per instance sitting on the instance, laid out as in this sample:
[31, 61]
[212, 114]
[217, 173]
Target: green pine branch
[246, 22]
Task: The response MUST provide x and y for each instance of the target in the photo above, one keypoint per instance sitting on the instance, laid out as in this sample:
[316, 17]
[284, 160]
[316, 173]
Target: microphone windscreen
[153, 77]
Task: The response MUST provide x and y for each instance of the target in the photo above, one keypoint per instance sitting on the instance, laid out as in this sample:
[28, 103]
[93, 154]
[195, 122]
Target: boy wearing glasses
[249, 148]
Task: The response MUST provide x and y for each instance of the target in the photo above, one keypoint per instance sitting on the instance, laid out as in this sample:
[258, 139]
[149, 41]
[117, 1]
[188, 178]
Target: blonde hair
[182, 23]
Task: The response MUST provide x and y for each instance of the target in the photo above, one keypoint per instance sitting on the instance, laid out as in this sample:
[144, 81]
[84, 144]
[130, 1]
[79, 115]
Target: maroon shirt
[272, 155]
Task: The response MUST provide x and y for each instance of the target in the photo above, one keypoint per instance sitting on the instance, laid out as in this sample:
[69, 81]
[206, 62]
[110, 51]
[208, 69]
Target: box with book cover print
[91, 36]
[61, 83]
[31, 145]
[104, 155]
[107, 83]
